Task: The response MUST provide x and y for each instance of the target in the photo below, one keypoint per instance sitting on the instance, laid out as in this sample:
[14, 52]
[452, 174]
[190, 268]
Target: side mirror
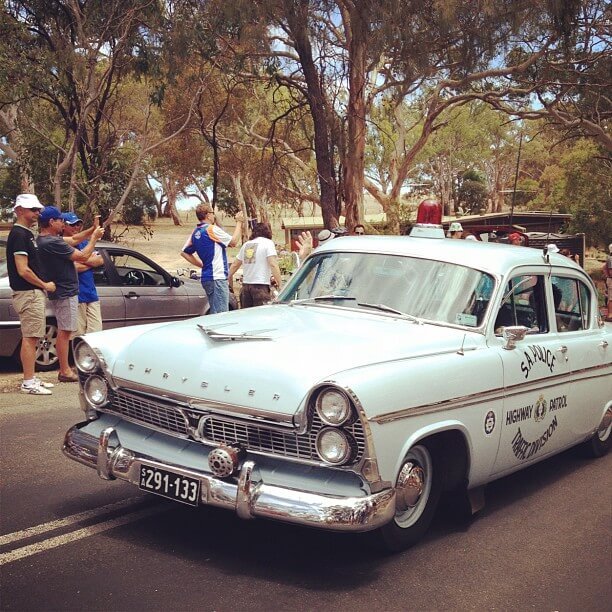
[513, 334]
[175, 281]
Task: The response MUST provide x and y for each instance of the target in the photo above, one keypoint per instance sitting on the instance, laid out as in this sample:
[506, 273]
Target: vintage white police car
[389, 371]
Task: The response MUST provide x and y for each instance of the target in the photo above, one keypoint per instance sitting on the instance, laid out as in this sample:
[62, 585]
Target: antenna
[461, 351]
[518, 161]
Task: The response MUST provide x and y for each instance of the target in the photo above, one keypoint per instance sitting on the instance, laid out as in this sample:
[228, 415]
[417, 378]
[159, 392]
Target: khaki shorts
[90, 318]
[30, 306]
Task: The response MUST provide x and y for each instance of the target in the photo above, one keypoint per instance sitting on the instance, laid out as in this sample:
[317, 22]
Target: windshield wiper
[323, 298]
[385, 308]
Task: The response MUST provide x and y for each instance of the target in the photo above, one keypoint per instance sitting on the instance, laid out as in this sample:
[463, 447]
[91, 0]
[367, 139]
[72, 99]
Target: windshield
[429, 290]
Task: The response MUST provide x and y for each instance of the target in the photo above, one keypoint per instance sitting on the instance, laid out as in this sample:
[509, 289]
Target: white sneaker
[42, 383]
[35, 389]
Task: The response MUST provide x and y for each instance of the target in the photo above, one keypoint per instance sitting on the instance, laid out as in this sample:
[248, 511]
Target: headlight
[334, 446]
[85, 358]
[96, 391]
[333, 407]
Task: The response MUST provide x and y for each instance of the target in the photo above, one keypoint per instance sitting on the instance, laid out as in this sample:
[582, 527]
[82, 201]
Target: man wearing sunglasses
[58, 259]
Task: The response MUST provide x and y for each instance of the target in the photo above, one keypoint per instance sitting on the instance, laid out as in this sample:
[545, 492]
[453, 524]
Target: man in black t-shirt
[26, 281]
[58, 259]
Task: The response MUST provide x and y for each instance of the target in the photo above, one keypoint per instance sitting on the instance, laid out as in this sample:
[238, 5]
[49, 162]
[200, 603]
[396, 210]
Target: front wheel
[418, 488]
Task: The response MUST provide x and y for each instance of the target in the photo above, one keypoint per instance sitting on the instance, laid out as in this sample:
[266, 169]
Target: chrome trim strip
[488, 395]
[351, 514]
[10, 324]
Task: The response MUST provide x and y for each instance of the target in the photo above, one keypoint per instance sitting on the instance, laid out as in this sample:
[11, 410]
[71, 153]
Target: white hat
[455, 226]
[324, 236]
[27, 200]
[552, 248]
[471, 237]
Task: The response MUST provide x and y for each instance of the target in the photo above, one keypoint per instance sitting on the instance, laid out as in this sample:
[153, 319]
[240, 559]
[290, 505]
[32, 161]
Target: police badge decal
[540, 409]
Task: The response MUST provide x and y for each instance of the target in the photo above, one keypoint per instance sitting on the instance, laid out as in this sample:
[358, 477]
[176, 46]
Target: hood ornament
[220, 337]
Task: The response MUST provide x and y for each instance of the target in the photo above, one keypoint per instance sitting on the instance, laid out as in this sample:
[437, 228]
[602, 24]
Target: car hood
[284, 352]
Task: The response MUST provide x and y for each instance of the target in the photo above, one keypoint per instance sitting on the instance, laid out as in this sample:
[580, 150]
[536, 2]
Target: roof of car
[489, 257]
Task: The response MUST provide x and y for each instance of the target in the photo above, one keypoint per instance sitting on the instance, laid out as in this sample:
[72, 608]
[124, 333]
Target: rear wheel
[418, 488]
[599, 444]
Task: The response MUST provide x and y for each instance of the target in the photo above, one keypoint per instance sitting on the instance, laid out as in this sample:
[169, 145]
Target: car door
[112, 302]
[148, 290]
[586, 348]
[536, 376]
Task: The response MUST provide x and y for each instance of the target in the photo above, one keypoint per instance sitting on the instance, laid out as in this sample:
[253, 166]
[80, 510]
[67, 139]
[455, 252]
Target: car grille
[224, 430]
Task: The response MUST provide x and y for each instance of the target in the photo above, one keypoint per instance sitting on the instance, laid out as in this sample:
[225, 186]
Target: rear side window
[524, 304]
[572, 300]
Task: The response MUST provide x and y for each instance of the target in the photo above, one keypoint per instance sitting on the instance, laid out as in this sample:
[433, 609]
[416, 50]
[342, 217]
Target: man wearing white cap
[456, 230]
[25, 278]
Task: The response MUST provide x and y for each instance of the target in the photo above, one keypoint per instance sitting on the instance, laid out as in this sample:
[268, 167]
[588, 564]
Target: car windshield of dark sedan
[428, 290]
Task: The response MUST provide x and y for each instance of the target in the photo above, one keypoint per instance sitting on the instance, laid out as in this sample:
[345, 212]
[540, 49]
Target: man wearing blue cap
[58, 258]
[89, 317]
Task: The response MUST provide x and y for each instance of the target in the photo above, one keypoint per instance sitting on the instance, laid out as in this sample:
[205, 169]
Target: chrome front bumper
[247, 498]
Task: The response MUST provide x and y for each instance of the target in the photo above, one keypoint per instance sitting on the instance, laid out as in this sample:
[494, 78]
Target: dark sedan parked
[133, 290]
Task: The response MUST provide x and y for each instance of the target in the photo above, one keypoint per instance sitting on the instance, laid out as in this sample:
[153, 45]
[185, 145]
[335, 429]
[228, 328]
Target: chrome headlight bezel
[100, 400]
[85, 358]
[340, 435]
[333, 407]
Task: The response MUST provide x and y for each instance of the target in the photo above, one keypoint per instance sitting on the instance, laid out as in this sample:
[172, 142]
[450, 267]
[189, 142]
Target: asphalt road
[70, 541]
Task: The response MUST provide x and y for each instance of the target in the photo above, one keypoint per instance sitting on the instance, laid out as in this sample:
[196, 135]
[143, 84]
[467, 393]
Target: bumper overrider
[247, 498]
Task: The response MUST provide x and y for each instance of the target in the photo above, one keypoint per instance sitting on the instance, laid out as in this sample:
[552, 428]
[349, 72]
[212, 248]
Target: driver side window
[523, 304]
[133, 271]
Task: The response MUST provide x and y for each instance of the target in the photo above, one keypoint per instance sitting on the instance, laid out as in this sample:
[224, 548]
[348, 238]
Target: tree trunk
[15, 148]
[355, 25]
[237, 182]
[297, 19]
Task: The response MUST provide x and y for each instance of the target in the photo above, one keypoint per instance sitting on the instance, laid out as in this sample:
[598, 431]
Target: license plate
[168, 484]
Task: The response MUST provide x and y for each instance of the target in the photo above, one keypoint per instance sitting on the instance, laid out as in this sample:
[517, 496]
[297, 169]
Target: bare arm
[192, 259]
[237, 231]
[233, 269]
[85, 254]
[95, 261]
[274, 267]
[24, 270]
[83, 234]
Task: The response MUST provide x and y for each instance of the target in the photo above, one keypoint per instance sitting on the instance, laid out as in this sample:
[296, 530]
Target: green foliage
[474, 175]
[140, 206]
[474, 194]
[588, 192]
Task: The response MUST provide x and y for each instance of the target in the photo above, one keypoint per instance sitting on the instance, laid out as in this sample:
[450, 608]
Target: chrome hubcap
[410, 483]
[413, 487]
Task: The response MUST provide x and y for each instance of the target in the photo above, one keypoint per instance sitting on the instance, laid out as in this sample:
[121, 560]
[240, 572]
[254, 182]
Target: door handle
[132, 296]
[563, 349]
[603, 344]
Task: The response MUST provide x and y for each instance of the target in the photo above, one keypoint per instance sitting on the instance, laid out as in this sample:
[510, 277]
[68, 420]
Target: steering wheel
[135, 277]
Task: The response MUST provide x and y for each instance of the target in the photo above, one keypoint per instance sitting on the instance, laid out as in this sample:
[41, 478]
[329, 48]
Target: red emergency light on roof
[429, 211]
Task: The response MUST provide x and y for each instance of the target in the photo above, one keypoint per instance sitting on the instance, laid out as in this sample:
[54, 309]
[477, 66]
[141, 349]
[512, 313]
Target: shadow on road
[317, 560]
